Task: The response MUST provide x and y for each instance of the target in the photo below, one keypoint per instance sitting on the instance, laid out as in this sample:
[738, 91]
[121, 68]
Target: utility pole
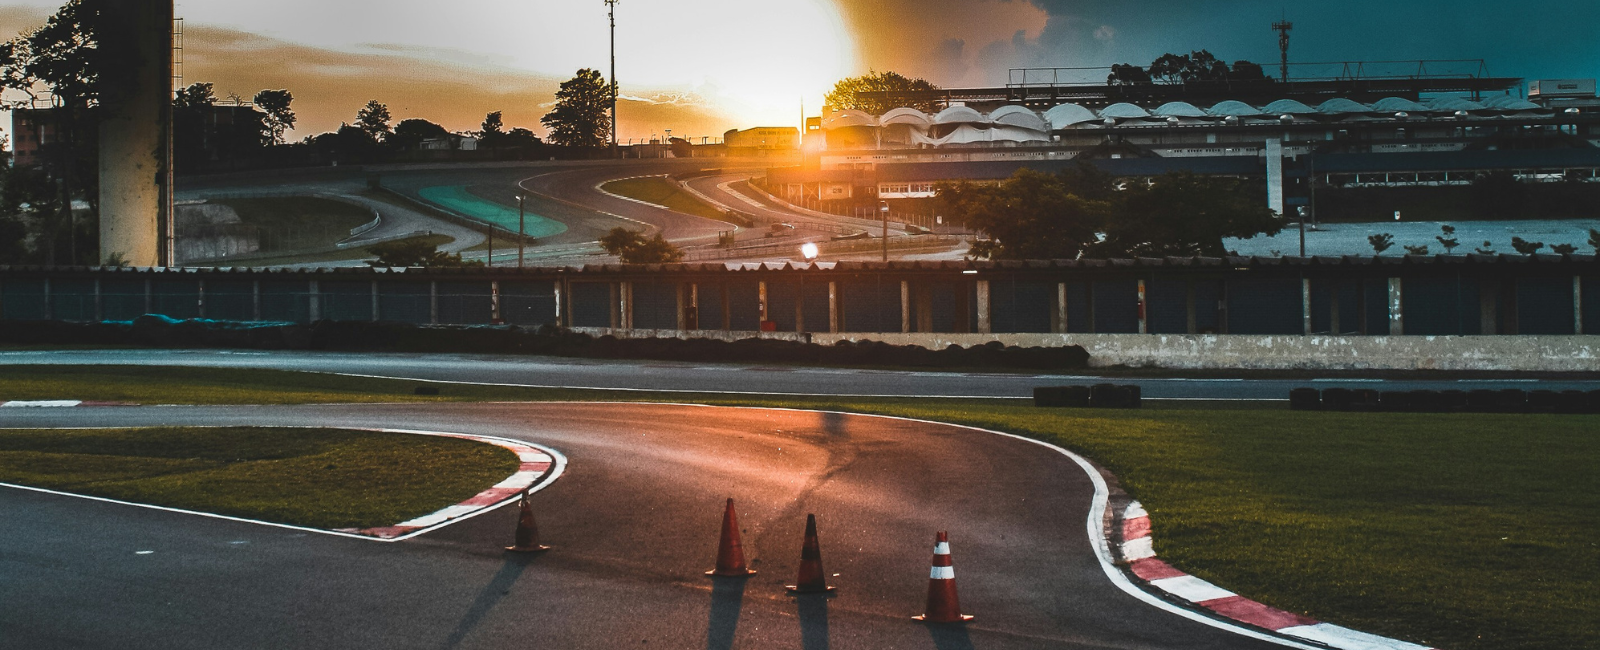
[611, 13]
[522, 232]
[1282, 27]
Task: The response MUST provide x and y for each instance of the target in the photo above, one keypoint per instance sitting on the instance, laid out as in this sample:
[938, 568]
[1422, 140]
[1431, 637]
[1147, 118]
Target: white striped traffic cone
[943, 605]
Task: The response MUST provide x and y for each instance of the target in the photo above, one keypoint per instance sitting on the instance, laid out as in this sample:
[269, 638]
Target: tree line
[1085, 212]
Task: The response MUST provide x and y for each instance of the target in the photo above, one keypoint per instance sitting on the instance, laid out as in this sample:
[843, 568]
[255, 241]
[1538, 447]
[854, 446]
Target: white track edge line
[558, 465]
[686, 391]
[1097, 510]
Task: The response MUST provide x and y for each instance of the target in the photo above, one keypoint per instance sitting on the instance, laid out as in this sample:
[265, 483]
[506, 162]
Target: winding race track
[634, 521]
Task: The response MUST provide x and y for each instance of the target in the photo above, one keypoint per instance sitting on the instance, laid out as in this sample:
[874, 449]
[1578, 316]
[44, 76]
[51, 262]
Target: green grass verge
[299, 212]
[665, 193]
[341, 255]
[321, 478]
[1464, 532]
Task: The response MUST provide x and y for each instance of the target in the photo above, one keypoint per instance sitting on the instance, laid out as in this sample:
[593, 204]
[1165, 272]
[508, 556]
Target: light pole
[488, 260]
[522, 232]
[883, 209]
[611, 14]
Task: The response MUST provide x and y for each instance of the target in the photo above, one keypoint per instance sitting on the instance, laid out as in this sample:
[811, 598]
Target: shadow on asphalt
[813, 621]
[492, 593]
[949, 637]
[727, 598]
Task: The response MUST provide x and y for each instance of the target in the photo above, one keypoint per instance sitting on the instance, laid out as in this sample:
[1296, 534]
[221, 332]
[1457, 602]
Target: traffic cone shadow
[943, 604]
[527, 540]
[730, 551]
[811, 579]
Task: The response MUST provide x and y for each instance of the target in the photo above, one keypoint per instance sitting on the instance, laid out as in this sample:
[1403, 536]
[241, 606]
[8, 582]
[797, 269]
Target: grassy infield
[665, 193]
[1461, 532]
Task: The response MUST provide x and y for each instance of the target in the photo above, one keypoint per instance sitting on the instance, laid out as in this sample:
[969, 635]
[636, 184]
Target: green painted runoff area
[457, 199]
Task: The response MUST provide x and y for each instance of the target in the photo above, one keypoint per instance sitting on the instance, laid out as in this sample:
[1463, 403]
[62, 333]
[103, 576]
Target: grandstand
[1424, 130]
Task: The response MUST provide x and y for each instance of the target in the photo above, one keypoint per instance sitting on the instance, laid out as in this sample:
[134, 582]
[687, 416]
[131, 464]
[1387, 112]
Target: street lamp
[522, 232]
[883, 209]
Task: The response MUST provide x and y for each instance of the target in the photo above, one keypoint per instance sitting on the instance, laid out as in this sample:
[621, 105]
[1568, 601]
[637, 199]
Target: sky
[700, 67]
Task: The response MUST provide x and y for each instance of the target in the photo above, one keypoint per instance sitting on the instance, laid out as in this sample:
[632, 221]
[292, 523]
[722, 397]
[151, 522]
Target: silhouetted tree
[581, 117]
[373, 120]
[1381, 242]
[280, 118]
[634, 248]
[846, 93]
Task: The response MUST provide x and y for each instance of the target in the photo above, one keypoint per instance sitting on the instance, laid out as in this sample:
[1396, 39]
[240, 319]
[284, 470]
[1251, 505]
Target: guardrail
[377, 220]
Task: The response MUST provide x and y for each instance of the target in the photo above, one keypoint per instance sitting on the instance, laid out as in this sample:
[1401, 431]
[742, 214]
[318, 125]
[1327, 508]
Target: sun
[760, 59]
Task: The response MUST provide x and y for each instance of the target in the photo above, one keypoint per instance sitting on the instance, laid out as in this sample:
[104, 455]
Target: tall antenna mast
[1283, 27]
[611, 13]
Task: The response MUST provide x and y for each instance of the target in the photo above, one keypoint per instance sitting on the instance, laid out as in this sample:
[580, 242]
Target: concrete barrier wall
[1239, 351]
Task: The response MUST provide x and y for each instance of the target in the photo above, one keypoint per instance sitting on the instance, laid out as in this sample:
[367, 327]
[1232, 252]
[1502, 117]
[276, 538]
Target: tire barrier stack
[1445, 401]
[1098, 396]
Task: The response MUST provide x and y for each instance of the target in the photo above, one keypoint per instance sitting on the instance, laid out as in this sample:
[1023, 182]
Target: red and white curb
[540, 467]
[57, 403]
[537, 461]
[1138, 551]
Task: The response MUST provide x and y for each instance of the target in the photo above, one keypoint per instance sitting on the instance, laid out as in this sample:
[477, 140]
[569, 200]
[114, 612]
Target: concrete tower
[135, 116]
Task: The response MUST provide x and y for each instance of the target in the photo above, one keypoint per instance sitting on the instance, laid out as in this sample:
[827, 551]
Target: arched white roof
[1288, 107]
[846, 118]
[1179, 109]
[1398, 105]
[1124, 110]
[959, 115]
[1453, 104]
[1234, 108]
[905, 116]
[1340, 105]
[1019, 116]
[1067, 115]
[1008, 133]
[1509, 103]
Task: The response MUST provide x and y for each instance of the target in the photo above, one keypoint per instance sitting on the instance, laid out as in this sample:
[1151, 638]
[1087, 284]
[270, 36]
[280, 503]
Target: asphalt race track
[732, 378]
[634, 523]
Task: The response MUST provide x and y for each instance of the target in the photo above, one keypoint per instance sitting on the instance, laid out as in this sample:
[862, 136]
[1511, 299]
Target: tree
[1526, 247]
[1448, 238]
[1245, 71]
[1125, 74]
[581, 116]
[846, 93]
[373, 120]
[634, 248]
[1563, 249]
[1032, 215]
[61, 58]
[195, 96]
[1381, 243]
[493, 130]
[1185, 214]
[1417, 250]
[280, 117]
[413, 252]
[522, 138]
[1594, 240]
[1200, 66]
[409, 134]
[1488, 248]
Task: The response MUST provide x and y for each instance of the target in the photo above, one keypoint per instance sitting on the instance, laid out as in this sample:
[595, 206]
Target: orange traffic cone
[943, 605]
[811, 579]
[730, 553]
[527, 531]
